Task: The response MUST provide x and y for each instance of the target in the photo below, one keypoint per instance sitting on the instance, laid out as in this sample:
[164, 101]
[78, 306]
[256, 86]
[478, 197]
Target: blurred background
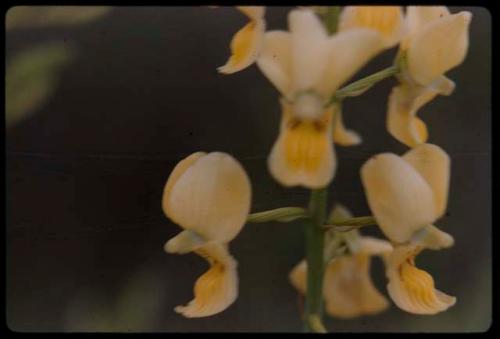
[101, 105]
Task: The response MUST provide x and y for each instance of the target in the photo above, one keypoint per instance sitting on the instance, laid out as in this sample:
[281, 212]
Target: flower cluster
[209, 194]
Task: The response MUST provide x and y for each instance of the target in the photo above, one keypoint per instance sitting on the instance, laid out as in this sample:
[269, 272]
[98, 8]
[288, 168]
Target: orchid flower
[436, 41]
[348, 289]
[209, 196]
[247, 42]
[407, 195]
[307, 66]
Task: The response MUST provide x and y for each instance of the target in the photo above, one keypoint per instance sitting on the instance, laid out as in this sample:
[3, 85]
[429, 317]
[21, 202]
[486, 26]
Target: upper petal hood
[438, 47]
[209, 194]
[399, 197]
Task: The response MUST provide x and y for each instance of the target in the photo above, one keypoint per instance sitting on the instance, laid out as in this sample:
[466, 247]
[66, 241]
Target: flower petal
[309, 48]
[411, 288]
[303, 154]
[439, 47]
[386, 20]
[274, 60]
[399, 197]
[211, 197]
[433, 238]
[339, 212]
[374, 246]
[348, 288]
[402, 122]
[341, 135]
[184, 242]
[433, 164]
[253, 12]
[177, 172]
[298, 276]
[417, 17]
[348, 51]
[245, 47]
[217, 288]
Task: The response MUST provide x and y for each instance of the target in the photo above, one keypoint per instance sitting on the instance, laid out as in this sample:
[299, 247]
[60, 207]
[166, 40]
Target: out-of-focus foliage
[31, 76]
[134, 309]
[37, 16]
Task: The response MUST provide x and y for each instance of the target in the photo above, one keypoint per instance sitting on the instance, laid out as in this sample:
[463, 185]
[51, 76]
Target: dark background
[85, 174]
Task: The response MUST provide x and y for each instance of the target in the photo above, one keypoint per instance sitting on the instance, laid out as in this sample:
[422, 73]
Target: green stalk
[315, 241]
[365, 83]
[330, 18]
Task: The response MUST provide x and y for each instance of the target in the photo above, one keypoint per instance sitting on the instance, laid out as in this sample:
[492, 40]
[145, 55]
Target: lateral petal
[245, 47]
[274, 60]
[347, 52]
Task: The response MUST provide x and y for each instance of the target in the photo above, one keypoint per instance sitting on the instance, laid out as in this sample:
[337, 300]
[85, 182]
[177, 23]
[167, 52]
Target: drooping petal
[210, 197]
[411, 288]
[399, 197]
[253, 12]
[348, 288]
[432, 238]
[217, 288]
[386, 20]
[245, 47]
[274, 60]
[339, 212]
[184, 242]
[433, 164]
[348, 51]
[342, 135]
[438, 47]
[374, 246]
[309, 48]
[303, 154]
[298, 276]
[402, 122]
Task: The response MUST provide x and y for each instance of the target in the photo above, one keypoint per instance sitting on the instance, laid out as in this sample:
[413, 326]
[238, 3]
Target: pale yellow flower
[348, 289]
[307, 66]
[247, 42]
[406, 195]
[386, 20]
[209, 196]
[436, 42]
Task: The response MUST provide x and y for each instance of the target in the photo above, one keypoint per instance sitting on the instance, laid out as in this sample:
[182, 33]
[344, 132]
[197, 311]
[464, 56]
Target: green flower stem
[283, 214]
[315, 241]
[365, 83]
[330, 18]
